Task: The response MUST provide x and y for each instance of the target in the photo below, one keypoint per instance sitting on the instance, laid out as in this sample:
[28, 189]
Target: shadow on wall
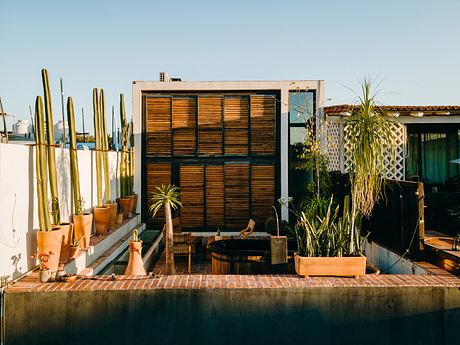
[337, 315]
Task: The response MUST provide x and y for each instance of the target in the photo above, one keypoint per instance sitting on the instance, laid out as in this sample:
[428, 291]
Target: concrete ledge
[99, 246]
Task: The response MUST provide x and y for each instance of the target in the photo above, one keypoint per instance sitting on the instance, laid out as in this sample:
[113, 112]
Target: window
[301, 108]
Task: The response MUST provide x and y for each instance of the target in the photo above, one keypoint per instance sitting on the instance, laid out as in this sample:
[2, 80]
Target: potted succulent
[75, 246]
[167, 196]
[101, 212]
[43, 259]
[82, 221]
[105, 162]
[126, 201]
[49, 238]
[135, 263]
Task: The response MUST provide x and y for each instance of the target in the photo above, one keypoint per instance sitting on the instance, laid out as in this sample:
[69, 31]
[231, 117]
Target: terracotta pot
[44, 275]
[135, 198]
[135, 263]
[67, 229]
[83, 224]
[50, 241]
[101, 219]
[125, 205]
[113, 214]
[330, 266]
[74, 251]
[119, 218]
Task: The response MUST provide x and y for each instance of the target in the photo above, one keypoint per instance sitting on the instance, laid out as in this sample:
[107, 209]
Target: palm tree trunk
[170, 268]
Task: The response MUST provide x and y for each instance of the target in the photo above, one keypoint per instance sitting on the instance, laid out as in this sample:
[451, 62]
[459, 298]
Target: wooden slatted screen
[184, 125]
[192, 195]
[210, 125]
[236, 114]
[262, 193]
[236, 195]
[263, 123]
[157, 174]
[215, 196]
[158, 126]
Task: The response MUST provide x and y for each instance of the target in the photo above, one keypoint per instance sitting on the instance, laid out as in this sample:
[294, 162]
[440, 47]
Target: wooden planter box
[330, 266]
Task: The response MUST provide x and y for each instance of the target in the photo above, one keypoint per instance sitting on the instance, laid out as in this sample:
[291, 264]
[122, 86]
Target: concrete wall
[18, 201]
[327, 315]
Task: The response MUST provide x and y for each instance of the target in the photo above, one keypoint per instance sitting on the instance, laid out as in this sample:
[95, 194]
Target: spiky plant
[105, 147]
[77, 200]
[55, 209]
[135, 237]
[41, 167]
[167, 196]
[370, 141]
[97, 135]
[124, 161]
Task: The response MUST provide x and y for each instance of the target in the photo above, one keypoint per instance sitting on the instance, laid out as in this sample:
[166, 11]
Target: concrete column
[137, 130]
[284, 149]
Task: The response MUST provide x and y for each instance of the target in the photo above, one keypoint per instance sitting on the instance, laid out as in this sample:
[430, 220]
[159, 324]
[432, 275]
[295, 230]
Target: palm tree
[167, 196]
[370, 141]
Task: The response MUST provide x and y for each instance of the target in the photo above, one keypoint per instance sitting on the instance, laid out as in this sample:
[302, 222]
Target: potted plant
[75, 246]
[101, 212]
[135, 263]
[43, 259]
[167, 196]
[105, 161]
[278, 245]
[126, 201]
[49, 238]
[82, 221]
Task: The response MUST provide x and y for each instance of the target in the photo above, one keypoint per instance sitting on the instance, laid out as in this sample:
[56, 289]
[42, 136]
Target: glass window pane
[301, 106]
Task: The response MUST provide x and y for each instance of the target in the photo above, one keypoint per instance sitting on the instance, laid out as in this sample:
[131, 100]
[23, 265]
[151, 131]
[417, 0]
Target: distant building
[22, 128]
[59, 130]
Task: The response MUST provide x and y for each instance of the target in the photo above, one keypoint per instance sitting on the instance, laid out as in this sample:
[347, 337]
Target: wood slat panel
[192, 196]
[236, 195]
[214, 196]
[157, 174]
[157, 126]
[236, 120]
[262, 193]
[210, 125]
[184, 126]
[263, 125]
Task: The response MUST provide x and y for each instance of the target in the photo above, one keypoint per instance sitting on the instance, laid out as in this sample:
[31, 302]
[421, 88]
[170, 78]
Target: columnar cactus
[41, 168]
[97, 136]
[55, 210]
[105, 147]
[124, 180]
[77, 200]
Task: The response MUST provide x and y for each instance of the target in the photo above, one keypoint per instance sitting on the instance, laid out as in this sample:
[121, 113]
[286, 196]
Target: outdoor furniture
[248, 230]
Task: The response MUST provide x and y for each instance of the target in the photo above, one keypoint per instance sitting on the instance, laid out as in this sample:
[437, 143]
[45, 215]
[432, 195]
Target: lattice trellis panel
[394, 163]
[333, 145]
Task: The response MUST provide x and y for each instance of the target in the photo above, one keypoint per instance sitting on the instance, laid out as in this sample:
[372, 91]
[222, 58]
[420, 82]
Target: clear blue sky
[413, 45]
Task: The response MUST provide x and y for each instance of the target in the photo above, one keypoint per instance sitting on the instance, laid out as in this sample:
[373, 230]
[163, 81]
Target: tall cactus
[77, 200]
[124, 180]
[55, 209]
[97, 136]
[105, 146]
[131, 158]
[42, 174]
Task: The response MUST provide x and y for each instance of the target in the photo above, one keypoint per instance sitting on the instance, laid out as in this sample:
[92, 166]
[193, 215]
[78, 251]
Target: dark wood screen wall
[220, 150]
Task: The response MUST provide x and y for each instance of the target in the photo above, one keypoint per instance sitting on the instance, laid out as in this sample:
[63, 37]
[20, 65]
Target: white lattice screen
[394, 163]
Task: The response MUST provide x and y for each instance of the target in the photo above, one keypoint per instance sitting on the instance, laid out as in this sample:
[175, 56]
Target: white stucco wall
[18, 201]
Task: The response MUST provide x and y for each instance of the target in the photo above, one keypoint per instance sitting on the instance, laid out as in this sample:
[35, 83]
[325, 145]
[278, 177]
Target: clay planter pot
[67, 229]
[278, 250]
[113, 215]
[119, 218]
[135, 263]
[83, 224]
[74, 251]
[44, 275]
[50, 241]
[330, 266]
[126, 207]
[134, 207]
[101, 219]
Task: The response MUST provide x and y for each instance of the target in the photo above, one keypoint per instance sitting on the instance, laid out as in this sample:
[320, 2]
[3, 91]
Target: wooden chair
[248, 230]
[183, 242]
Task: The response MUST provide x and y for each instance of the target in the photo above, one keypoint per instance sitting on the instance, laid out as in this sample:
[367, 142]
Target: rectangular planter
[330, 266]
